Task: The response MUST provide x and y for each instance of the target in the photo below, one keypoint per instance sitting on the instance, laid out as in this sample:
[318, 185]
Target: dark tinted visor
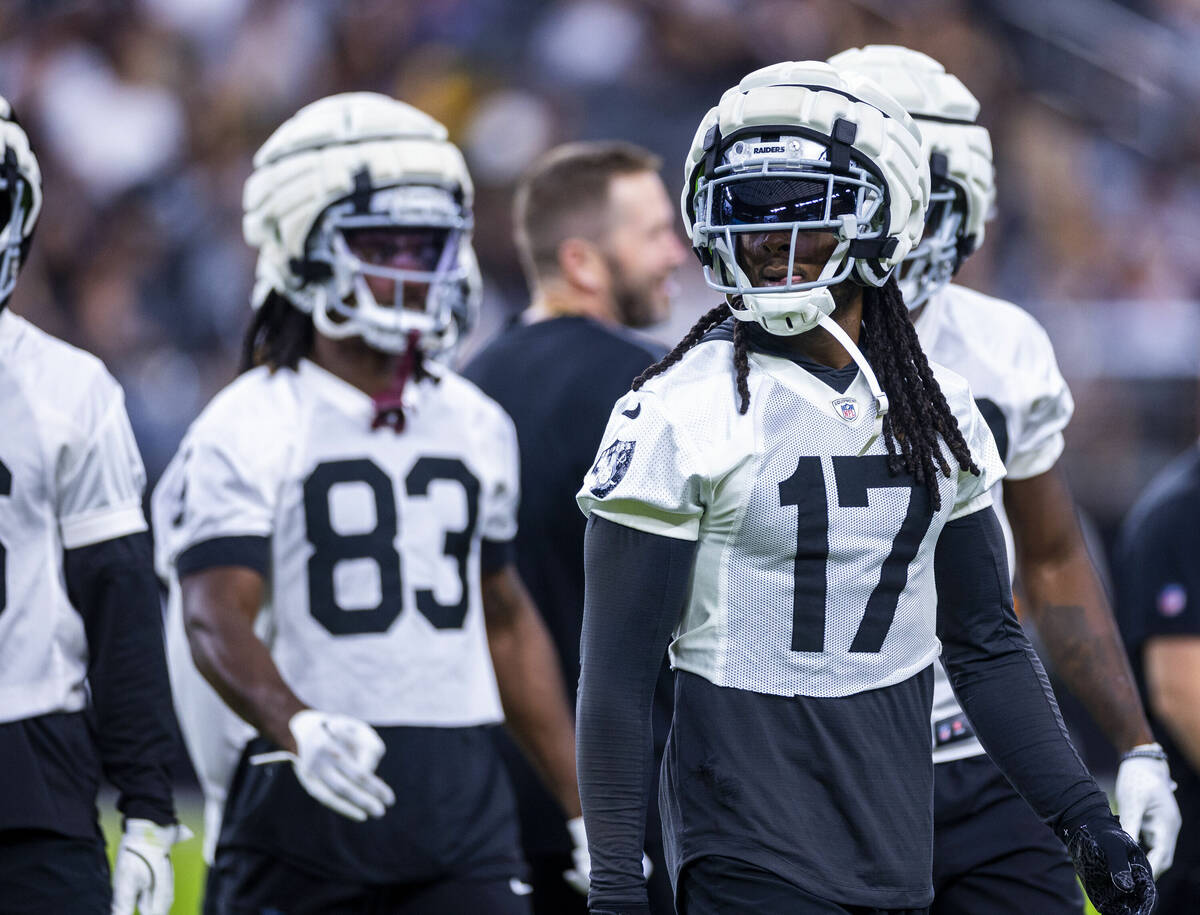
[398, 247]
[779, 200]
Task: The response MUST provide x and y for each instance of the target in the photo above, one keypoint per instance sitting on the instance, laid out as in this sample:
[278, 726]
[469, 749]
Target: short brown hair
[564, 194]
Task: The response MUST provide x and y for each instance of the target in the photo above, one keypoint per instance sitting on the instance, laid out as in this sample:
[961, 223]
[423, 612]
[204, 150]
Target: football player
[83, 681]
[989, 854]
[799, 503]
[596, 233]
[339, 524]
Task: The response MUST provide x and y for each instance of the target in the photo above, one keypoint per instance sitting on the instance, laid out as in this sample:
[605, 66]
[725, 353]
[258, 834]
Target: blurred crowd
[145, 114]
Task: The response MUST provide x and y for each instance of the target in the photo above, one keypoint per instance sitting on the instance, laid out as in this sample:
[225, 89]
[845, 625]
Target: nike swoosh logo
[519, 887]
[634, 413]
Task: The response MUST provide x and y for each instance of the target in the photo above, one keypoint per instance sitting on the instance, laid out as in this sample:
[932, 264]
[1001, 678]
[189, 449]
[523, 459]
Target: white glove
[142, 876]
[1146, 804]
[335, 762]
[579, 877]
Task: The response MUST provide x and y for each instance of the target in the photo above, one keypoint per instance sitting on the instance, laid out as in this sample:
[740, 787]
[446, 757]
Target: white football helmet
[464, 310]
[357, 163]
[960, 157]
[20, 198]
[798, 147]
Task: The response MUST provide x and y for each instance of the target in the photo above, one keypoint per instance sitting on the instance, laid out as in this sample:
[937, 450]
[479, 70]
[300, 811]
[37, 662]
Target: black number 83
[379, 544]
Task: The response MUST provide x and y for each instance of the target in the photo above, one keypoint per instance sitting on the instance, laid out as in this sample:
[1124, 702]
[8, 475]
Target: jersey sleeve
[1037, 439]
[647, 474]
[498, 522]
[974, 491]
[100, 477]
[219, 500]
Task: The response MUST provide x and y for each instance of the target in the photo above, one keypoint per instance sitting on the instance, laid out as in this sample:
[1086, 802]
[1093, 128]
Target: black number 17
[854, 477]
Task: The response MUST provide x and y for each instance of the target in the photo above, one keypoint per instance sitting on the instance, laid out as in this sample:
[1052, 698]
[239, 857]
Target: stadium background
[145, 115]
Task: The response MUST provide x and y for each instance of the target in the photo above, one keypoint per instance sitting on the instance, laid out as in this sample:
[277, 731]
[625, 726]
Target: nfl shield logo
[847, 408]
[1172, 600]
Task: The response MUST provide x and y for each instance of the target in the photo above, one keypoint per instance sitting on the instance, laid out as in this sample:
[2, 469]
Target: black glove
[1111, 866]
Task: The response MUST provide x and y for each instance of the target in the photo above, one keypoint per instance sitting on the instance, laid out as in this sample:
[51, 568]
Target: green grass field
[189, 866]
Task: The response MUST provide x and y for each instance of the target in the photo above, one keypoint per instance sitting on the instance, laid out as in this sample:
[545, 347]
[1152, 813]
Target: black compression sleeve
[112, 584]
[636, 584]
[998, 677]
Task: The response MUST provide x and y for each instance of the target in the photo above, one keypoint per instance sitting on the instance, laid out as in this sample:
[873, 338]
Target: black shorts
[454, 815]
[991, 854]
[715, 885]
[51, 773]
[247, 882]
[43, 872]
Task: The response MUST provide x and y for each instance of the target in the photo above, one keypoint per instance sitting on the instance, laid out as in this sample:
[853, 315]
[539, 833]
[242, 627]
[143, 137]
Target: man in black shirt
[1157, 566]
[595, 230]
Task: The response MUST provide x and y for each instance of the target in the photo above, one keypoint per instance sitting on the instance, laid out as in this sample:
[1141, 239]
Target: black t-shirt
[1157, 570]
[558, 379]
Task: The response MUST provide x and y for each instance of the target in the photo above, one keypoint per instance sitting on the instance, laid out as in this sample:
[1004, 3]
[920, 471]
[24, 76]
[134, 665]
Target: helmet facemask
[932, 264]
[784, 184]
[14, 194]
[415, 237]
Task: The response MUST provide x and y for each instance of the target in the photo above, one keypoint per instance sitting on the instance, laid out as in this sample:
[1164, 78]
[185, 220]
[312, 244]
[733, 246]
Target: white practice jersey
[371, 538]
[814, 571]
[1008, 360]
[70, 477]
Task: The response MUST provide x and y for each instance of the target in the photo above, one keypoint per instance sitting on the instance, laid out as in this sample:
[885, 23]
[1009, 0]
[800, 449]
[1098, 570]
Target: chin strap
[390, 403]
[881, 399]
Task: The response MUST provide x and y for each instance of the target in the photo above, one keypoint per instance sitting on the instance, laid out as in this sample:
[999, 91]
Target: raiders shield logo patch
[847, 408]
[610, 467]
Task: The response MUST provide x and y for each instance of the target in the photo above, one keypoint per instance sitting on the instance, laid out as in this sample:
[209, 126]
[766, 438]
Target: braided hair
[918, 413]
[279, 335]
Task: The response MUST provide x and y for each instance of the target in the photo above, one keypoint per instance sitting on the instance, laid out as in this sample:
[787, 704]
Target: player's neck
[367, 369]
[820, 346]
[558, 299]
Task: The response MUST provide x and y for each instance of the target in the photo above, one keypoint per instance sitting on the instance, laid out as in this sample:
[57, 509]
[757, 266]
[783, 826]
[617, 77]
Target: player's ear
[582, 265]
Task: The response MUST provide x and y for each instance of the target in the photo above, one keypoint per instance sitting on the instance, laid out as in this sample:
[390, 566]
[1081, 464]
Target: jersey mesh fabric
[1009, 362]
[70, 477]
[748, 487]
[374, 603]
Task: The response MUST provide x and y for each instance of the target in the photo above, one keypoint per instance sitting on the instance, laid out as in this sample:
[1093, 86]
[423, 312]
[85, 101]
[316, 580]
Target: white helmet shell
[814, 126]
[21, 186]
[960, 151]
[343, 150]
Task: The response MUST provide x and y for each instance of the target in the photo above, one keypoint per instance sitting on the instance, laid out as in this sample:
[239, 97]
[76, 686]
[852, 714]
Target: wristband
[1145, 751]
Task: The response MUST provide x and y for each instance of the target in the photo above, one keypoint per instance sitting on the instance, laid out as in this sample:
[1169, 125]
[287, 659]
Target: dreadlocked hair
[918, 415]
[279, 335]
[707, 321]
